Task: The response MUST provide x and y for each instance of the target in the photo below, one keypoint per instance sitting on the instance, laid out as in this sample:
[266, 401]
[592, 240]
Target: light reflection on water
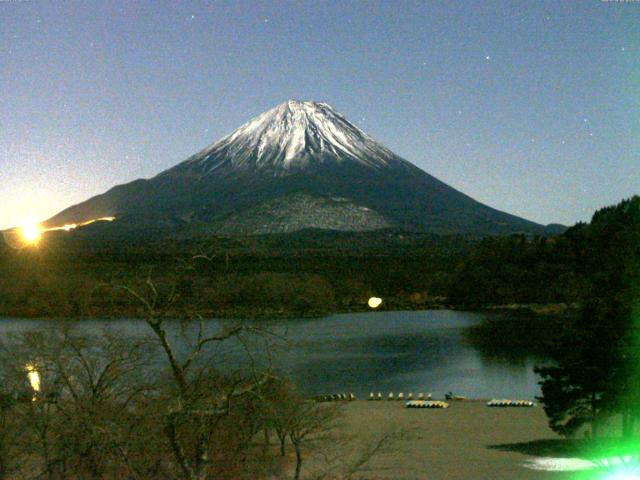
[360, 352]
[34, 376]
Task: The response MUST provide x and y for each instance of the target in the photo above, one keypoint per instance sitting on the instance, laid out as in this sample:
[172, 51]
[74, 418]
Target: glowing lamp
[374, 302]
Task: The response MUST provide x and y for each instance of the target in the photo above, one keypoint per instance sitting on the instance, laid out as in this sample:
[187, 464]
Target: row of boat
[507, 402]
[336, 397]
[426, 404]
[400, 396]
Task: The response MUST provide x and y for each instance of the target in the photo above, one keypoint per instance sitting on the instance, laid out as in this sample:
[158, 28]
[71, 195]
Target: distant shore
[274, 313]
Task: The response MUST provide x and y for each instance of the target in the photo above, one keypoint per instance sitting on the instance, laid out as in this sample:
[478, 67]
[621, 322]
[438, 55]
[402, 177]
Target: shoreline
[278, 314]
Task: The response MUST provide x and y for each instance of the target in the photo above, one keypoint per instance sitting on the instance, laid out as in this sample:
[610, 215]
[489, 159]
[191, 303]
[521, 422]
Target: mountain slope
[297, 150]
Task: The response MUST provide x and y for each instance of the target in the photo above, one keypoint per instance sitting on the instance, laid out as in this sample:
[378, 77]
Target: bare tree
[84, 394]
[369, 449]
[280, 404]
[108, 406]
[309, 423]
[198, 398]
[13, 393]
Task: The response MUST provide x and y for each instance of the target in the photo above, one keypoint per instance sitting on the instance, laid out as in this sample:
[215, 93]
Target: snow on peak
[290, 137]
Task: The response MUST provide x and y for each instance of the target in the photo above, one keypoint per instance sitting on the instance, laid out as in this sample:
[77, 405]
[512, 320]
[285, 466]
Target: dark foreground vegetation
[591, 375]
[596, 369]
[105, 407]
[305, 273]
[308, 273]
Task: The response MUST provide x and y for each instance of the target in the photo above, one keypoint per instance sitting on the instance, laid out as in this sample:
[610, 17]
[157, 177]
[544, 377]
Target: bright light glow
[30, 233]
[558, 464]
[375, 302]
[34, 377]
[72, 226]
[616, 468]
[624, 473]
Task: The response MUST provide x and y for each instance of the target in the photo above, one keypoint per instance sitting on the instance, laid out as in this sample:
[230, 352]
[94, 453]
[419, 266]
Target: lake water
[425, 351]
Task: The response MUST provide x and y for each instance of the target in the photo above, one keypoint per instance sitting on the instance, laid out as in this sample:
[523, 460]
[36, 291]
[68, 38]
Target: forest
[310, 272]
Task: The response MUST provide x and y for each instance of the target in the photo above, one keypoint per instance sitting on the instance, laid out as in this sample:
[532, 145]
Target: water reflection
[434, 351]
[513, 338]
[34, 379]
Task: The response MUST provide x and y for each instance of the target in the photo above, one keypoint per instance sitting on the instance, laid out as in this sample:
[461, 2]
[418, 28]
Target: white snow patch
[293, 135]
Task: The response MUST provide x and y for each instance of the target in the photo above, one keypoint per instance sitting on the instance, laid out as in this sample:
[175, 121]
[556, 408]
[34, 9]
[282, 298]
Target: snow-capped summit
[297, 166]
[288, 138]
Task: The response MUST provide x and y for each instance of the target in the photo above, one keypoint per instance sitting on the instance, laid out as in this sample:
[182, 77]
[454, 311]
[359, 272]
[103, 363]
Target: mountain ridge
[298, 148]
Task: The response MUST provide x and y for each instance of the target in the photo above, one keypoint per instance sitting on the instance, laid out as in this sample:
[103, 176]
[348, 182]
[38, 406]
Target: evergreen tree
[596, 368]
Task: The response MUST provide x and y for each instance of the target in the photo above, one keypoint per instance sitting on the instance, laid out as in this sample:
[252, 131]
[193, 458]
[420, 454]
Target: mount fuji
[299, 165]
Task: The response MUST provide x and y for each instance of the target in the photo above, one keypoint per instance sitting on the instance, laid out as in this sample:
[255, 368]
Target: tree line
[301, 274]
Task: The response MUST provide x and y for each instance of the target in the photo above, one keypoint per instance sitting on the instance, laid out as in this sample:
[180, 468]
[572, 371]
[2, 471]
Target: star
[623, 49]
[266, 20]
[192, 17]
[487, 57]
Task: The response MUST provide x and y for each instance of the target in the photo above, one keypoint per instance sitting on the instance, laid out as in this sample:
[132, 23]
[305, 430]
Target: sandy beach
[468, 440]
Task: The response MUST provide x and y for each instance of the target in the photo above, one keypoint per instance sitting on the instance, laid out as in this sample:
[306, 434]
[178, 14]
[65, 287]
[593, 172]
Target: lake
[417, 351]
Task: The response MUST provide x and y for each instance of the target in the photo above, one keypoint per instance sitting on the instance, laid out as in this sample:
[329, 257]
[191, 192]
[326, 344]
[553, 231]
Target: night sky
[530, 107]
